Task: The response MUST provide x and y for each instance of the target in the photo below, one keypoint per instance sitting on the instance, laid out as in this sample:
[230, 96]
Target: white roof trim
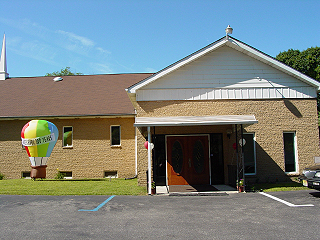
[194, 120]
[236, 44]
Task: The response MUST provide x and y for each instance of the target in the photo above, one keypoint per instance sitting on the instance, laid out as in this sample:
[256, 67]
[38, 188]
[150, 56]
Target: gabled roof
[74, 96]
[235, 44]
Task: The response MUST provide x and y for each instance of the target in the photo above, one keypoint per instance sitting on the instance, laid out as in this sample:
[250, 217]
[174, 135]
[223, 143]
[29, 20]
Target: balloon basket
[38, 171]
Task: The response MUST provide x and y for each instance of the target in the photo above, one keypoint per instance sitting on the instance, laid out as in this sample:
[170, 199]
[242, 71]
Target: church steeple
[3, 61]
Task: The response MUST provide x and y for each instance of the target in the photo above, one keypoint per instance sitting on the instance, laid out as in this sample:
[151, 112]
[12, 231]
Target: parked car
[310, 177]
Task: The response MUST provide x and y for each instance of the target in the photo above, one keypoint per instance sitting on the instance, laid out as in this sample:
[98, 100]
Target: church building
[224, 113]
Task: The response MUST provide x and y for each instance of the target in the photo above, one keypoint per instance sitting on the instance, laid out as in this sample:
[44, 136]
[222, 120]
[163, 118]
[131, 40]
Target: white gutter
[136, 150]
[194, 120]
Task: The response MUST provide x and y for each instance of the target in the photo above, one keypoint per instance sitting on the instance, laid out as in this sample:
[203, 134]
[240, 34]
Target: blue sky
[98, 37]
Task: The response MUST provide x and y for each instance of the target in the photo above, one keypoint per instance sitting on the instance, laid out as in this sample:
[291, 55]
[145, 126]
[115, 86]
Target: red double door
[188, 160]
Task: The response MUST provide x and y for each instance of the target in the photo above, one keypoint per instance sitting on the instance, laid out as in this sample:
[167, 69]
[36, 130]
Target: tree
[307, 61]
[63, 72]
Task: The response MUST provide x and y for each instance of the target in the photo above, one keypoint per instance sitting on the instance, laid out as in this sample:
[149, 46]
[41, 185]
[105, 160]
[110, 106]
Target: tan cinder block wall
[13, 157]
[90, 156]
[142, 155]
[274, 117]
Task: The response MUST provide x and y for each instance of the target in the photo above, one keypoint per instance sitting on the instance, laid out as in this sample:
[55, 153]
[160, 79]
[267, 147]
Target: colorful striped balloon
[39, 138]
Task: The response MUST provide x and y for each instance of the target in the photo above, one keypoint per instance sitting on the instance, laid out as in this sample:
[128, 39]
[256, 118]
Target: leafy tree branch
[63, 72]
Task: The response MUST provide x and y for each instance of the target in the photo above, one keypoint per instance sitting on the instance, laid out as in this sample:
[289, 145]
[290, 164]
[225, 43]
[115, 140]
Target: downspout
[132, 97]
[136, 150]
[136, 155]
[237, 153]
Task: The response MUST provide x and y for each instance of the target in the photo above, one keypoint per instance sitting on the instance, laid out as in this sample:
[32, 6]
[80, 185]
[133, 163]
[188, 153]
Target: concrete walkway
[187, 190]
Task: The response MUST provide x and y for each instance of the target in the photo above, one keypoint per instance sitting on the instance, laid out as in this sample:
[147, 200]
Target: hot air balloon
[39, 137]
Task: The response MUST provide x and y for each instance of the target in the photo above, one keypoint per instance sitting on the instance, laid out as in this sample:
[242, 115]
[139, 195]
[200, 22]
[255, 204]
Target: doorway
[216, 158]
[159, 160]
[188, 160]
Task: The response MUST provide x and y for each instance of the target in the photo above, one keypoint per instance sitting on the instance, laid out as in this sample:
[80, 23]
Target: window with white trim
[290, 152]
[67, 139]
[249, 154]
[115, 137]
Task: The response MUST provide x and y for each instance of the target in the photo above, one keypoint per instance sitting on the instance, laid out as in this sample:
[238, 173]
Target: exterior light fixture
[229, 132]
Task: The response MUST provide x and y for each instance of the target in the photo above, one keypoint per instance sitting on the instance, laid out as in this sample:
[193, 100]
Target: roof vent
[57, 79]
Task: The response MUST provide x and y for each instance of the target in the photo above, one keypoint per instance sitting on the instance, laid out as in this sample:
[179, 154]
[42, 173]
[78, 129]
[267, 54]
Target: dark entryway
[159, 160]
[216, 158]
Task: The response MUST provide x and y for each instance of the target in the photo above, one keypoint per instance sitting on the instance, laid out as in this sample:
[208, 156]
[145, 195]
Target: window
[177, 157]
[249, 154]
[66, 175]
[67, 137]
[26, 174]
[115, 135]
[290, 161]
[110, 174]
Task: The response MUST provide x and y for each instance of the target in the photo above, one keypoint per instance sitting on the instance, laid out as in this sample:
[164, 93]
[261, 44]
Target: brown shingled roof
[81, 95]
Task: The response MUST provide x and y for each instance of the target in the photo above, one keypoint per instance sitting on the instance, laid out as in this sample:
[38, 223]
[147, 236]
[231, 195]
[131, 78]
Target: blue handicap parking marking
[98, 207]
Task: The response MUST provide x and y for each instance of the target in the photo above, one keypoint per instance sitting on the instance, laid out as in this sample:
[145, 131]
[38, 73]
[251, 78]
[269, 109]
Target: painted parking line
[285, 202]
[97, 208]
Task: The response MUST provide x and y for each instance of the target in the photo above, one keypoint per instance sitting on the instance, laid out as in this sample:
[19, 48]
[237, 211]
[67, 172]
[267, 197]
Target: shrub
[60, 175]
[1, 176]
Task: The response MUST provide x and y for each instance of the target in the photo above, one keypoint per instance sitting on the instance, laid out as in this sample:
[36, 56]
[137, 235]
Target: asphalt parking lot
[278, 215]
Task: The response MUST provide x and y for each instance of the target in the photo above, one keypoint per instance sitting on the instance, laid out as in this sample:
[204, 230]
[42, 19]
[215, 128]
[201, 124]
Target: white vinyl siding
[225, 74]
[216, 94]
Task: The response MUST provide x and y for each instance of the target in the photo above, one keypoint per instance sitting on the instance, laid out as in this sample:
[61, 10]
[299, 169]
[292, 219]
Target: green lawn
[276, 187]
[116, 186]
[71, 187]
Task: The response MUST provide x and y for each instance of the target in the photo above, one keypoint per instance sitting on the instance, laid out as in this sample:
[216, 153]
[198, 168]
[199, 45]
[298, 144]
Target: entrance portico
[188, 157]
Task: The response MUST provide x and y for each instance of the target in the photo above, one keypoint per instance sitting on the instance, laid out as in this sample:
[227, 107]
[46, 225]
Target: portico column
[242, 157]
[149, 161]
